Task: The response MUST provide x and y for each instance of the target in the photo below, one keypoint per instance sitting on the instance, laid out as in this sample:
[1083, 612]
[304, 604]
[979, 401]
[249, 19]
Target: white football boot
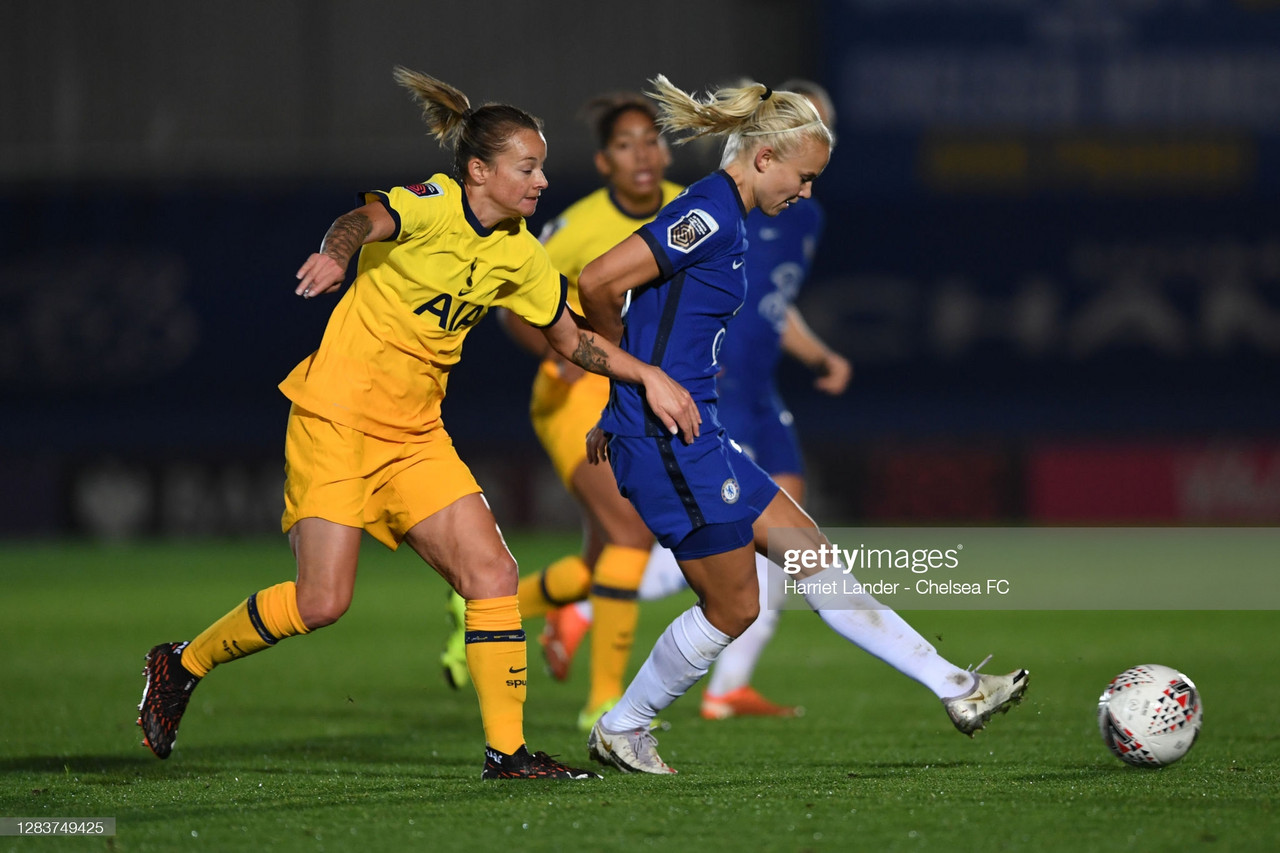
[630, 752]
[991, 695]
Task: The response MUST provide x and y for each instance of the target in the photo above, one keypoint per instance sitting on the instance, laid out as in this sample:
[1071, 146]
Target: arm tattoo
[589, 356]
[345, 236]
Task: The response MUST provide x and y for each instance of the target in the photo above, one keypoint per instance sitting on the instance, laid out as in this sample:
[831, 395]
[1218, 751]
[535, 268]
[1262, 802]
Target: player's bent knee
[488, 579]
[320, 612]
[736, 619]
[748, 616]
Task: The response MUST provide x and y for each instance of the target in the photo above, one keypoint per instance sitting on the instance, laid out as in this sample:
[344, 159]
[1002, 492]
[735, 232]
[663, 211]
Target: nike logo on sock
[512, 669]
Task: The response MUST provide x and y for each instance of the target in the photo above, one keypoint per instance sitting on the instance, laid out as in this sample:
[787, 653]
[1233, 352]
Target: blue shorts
[765, 431]
[715, 539]
[679, 488]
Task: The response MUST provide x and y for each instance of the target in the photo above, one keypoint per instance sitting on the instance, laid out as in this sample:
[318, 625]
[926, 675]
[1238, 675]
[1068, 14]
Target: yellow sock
[499, 665]
[563, 582]
[613, 603]
[262, 620]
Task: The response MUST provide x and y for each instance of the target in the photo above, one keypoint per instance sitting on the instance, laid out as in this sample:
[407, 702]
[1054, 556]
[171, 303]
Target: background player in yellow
[631, 157]
[365, 448]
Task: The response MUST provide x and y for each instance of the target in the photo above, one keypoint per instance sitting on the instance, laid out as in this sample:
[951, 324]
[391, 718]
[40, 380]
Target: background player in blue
[668, 293]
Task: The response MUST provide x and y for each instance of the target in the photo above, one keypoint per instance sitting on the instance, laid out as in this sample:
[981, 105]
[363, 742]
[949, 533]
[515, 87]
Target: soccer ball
[1150, 715]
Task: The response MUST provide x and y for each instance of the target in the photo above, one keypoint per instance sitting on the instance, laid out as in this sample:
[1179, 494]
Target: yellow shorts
[353, 478]
[563, 413]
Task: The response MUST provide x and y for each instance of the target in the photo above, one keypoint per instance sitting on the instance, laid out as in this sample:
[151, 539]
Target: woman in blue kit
[667, 294]
[780, 253]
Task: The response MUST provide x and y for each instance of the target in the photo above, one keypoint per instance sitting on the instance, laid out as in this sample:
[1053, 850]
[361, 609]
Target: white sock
[584, 609]
[682, 655]
[876, 629]
[737, 662]
[662, 575]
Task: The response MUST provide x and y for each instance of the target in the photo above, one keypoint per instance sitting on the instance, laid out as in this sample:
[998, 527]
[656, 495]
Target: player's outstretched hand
[319, 274]
[672, 404]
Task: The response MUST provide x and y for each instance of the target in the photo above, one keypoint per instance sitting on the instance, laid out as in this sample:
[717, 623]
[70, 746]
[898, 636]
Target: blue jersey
[678, 321]
[780, 253]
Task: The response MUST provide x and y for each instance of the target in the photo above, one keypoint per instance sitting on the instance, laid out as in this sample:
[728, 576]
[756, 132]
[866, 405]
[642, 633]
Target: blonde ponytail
[783, 120]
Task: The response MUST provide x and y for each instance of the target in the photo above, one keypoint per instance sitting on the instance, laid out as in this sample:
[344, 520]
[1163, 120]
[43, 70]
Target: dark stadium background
[1053, 244]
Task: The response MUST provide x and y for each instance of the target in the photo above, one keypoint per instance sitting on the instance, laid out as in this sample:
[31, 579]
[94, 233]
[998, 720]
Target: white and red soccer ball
[1150, 715]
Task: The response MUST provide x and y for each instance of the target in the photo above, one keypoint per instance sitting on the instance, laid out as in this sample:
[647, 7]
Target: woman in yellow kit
[631, 157]
[365, 448]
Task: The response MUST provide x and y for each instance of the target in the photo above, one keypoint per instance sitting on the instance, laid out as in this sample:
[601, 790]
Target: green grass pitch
[350, 740]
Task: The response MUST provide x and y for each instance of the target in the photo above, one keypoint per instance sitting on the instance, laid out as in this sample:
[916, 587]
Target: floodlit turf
[350, 740]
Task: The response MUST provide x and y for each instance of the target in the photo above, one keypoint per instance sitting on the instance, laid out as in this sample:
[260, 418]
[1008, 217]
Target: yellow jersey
[590, 227]
[383, 363]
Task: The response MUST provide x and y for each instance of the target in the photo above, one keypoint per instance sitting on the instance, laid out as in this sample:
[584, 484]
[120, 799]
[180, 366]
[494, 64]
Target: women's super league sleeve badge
[688, 231]
[424, 190]
[729, 491]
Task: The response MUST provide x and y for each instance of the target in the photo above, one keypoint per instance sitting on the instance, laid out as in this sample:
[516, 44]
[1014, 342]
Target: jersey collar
[472, 220]
[639, 217]
[742, 208]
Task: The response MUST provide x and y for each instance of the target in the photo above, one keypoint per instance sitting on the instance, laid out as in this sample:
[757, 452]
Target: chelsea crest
[729, 492]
